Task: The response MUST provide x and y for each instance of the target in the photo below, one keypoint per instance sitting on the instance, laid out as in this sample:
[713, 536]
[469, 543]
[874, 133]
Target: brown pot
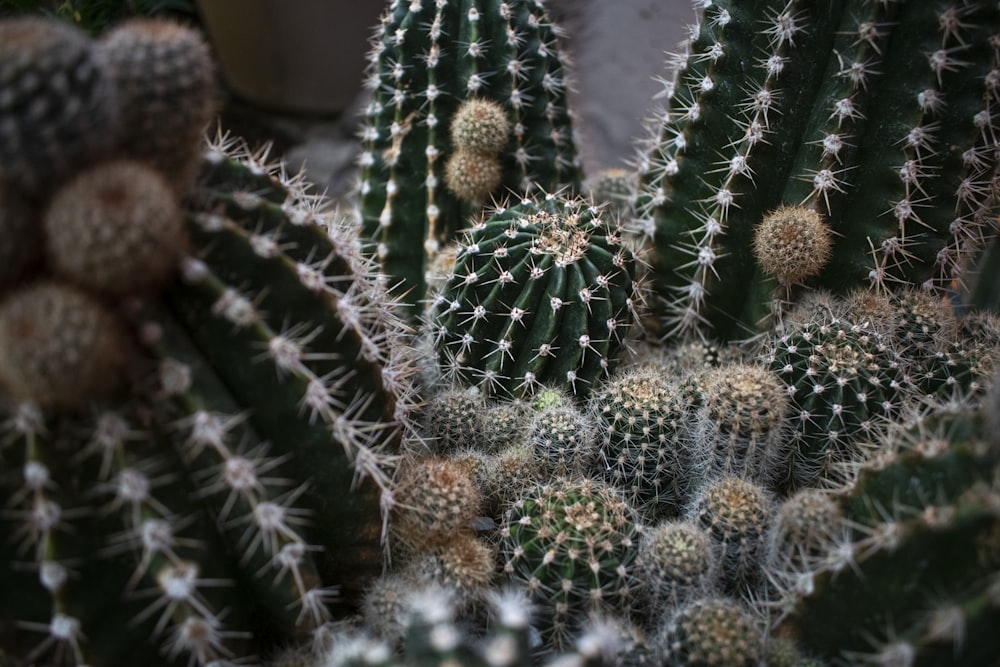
[292, 55]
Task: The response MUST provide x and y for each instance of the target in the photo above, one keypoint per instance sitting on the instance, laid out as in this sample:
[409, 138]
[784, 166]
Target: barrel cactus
[872, 125]
[435, 148]
[541, 293]
[202, 399]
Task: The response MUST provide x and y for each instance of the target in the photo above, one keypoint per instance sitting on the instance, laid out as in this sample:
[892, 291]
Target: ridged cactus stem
[427, 59]
[880, 117]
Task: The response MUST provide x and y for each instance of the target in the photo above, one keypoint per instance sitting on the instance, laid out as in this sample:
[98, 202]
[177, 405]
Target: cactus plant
[878, 117]
[918, 564]
[572, 545]
[542, 293]
[431, 59]
[232, 385]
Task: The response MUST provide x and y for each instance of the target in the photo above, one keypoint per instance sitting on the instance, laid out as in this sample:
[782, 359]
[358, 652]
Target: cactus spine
[431, 59]
[879, 117]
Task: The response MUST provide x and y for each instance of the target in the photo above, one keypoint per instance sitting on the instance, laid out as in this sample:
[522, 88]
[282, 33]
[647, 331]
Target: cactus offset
[429, 59]
[880, 117]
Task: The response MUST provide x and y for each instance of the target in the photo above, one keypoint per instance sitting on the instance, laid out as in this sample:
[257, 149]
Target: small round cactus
[471, 175]
[742, 421]
[564, 439]
[802, 531]
[572, 544]
[452, 419]
[845, 383]
[480, 125]
[792, 243]
[59, 108]
[541, 293]
[59, 346]
[464, 564]
[712, 632]
[116, 228]
[436, 498]
[645, 448]
[165, 79]
[678, 563]
[736, 513]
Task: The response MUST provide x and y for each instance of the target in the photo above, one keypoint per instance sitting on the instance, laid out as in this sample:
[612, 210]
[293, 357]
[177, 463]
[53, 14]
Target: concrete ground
[617, 49]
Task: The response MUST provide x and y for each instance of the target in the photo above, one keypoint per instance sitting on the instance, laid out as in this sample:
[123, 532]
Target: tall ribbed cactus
[200, 408]
[871, 122]
[428, 59]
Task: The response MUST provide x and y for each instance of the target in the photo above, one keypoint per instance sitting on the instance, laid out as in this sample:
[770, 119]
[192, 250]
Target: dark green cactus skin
[572, 545]
[269, 400]
[925, 533]
[428, 58]
[845, 384]
[541, 293]
[881, 116]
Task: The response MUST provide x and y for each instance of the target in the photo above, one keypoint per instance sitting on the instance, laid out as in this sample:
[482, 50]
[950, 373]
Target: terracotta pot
[292, 55]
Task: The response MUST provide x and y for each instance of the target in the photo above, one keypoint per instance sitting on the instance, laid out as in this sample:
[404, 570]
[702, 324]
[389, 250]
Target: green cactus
[845, 384]
[59, 109]
[918, 564]
[429, 59]
[187, 509]
[645, 448]
[572, 546]
[542, 293]
[711, 631]
[679, 563]
[879, 118]
[154, 128]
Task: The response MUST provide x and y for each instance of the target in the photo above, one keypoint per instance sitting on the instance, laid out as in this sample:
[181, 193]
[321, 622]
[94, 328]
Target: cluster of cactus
[468, 103]
[203, 382]
[864, 133]
[247, 429]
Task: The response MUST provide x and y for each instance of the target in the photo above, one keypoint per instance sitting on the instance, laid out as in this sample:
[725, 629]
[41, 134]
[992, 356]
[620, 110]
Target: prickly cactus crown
[541, 293]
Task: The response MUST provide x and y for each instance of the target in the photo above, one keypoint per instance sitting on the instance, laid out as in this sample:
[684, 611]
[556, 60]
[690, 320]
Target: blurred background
[292, 70]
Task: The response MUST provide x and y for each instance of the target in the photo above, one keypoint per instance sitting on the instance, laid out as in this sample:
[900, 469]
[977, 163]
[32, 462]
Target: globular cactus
[563, 437]
[435, 498]
[711, 631]
[872, 124]
[735, 513]
[572, 546]
[844, 383]
[431, 59]
[542, 293]
[116, 228]
[645, 448]
[917, 563]
[59, 109]
[232, 477]
[155, 63]
[742, 421]
[678, 562]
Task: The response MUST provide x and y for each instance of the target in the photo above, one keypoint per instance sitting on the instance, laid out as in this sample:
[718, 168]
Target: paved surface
[617, 49]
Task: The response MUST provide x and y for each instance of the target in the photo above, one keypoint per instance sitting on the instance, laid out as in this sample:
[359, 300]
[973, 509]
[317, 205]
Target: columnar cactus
[877, 120]
[541, 293]
[430, 59]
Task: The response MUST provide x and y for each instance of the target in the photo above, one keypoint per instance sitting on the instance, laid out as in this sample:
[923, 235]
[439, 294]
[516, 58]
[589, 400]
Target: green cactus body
[243, 477]
[878, 116]
[428, 58]
[541, 293]
[644, 448]
[920, 564]
[712, 631]
[844, 384]
[572, 545]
